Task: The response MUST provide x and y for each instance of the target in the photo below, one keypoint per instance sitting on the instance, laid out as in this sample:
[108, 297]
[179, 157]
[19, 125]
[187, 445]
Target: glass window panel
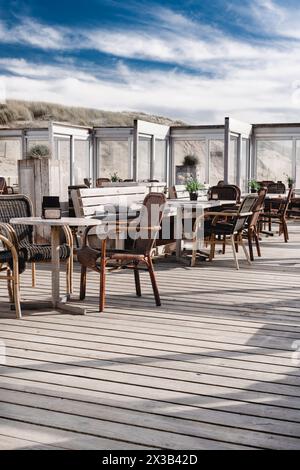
[193, 148]
[63, 151]
[81, 167]
[216, 161]
[114, 157]
[274, 159]
[298, 164]
[144, 159]
[232, 163]
[244, 162]
[160, 162]
[10, 153]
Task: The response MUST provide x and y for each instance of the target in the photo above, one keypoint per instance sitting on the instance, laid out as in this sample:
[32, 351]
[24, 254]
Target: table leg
[55, 244]
[178, 232]
[102, 275]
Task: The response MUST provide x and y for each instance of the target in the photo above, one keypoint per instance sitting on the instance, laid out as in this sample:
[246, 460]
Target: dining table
[58, 302]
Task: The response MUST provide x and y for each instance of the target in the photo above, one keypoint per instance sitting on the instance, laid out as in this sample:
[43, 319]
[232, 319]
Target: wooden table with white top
[57, 302]
[179, 205]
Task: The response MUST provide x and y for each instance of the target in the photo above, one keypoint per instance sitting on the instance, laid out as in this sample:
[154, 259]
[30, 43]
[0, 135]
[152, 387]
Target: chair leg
[245, 249]
[250, 235]
[102, 276]
[33, 274]
[153, 281]
[236, 244]
[257, 243]
[83, 282]
[212, 247]
[234, 252]
[69, 275]
[137, 281]
[224, 245]
[16, 286]
[285, 231]
[10, 286]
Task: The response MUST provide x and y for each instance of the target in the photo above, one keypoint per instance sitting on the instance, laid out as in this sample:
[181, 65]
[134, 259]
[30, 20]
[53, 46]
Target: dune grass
[18, 113]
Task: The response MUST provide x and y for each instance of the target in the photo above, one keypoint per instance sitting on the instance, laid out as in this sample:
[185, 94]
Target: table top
[199, 203]
[71, 221]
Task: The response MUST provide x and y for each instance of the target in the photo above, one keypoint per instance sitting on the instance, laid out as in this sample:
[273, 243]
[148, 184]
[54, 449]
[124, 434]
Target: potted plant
[254, 186]
[39, 151]
[192, 187]
[114, 178]
[190, 160]
[290, 181]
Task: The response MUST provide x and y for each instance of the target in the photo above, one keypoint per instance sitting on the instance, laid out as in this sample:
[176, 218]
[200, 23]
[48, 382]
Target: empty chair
[99, 181]
[276, 188]
[22, 236]
[4, 189]
[87, 182]
[231, 228]
[140, 253]
[251, 227]
[225, 192]
[12, 265]
[279, 216]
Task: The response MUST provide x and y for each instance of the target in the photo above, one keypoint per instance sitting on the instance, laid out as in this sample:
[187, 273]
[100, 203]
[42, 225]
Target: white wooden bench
[96, 202]
[92, 202]
[152, 187]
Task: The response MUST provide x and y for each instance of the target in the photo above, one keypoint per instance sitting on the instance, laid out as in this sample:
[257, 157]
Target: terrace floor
[210, 369]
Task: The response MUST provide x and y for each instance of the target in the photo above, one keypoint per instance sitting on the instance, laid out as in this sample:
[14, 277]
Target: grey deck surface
[210, 369]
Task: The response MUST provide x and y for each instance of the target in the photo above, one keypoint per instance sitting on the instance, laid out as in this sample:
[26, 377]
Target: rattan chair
[12, 265]
[230, 227]
[99, 181]
[251, 227]
[225, 192]
[4, 189]
[279, 216]
[140, 253]
[22, 236]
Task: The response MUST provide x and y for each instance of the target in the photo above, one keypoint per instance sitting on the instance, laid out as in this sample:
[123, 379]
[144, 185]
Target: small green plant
[39, 151]
[114, 178]
[254, 185]
[290, 181]
[193, 186]
[190, 160]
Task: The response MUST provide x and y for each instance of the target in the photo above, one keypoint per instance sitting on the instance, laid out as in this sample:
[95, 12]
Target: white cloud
[251, 81]
[34, 33]
[245, 95]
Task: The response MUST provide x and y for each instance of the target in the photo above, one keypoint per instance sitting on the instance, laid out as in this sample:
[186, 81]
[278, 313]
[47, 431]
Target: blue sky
[195, 60]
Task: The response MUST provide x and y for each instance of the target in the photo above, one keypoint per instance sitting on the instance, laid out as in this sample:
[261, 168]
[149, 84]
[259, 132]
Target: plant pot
[193, 196]
[253, 190]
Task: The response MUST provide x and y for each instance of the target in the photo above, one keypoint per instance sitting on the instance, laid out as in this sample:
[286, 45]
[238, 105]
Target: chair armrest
[223, 213]
[68, 234]
[10, 246]
[9, 233]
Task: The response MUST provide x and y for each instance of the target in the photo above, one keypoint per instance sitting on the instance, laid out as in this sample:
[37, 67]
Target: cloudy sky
[196, 60]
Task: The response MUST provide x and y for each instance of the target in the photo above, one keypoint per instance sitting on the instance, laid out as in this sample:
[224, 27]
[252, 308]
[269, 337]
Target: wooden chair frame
[12, 276]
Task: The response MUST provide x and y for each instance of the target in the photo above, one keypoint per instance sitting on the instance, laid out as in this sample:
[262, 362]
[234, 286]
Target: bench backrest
[89, 202]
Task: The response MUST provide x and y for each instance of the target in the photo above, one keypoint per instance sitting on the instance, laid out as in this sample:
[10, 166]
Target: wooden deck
[210, 369]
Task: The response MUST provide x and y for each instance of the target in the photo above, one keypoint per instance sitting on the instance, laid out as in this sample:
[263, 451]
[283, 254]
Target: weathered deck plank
[212, 368]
